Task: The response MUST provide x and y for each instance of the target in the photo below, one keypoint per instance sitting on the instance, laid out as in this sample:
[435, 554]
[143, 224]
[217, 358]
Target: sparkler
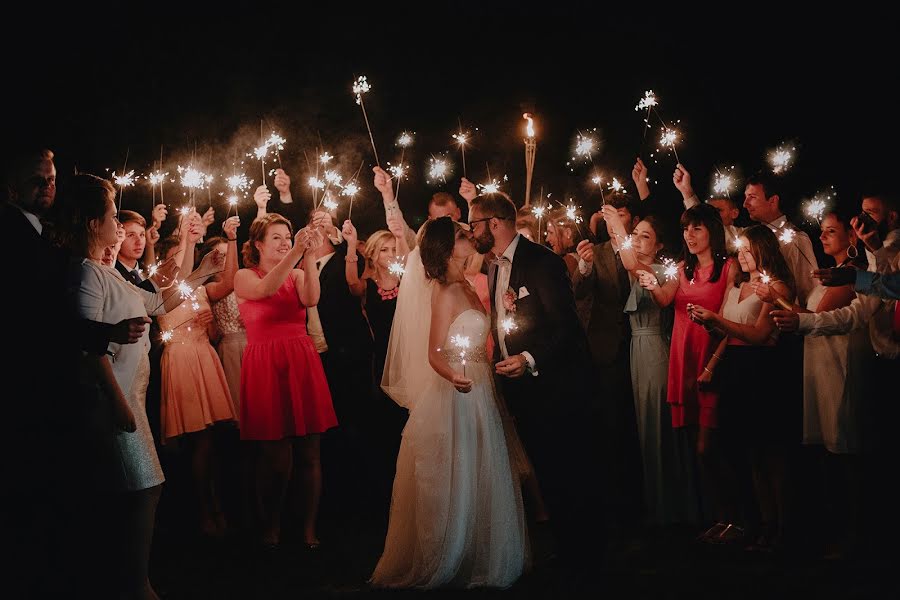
[668, 139]
[781, 159]
[647, 102]
[723, 183]
[462, 344]
[538, 211]
[157, 179]
[815, 207]
[404, 140]
[670, 269]
[585, 146]
[787, 236]
[530, 150]
[508, 324]
[396, 267]
[277, 142]
[360, 87]
[439, 169]
[489, 188]
[461, 139]
[123, 181]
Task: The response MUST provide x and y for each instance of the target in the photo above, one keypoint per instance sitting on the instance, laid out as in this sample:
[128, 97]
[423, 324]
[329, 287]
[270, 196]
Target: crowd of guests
[711, 411]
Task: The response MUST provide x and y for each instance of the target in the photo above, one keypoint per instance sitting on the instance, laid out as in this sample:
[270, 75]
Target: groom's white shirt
[504, 269]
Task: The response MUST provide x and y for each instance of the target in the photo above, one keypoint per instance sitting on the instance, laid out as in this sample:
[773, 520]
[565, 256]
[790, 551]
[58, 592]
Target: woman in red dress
[284, 394]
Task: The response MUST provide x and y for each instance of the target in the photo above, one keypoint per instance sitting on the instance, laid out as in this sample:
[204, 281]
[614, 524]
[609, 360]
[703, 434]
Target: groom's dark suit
[550, 404]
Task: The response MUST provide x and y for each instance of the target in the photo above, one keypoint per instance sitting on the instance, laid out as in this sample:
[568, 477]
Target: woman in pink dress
[704, 274]
[284, 394]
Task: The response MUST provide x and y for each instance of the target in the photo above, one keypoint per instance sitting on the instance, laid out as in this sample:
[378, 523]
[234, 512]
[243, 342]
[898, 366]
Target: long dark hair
[436, 241]
[708, 216]
[766, 252]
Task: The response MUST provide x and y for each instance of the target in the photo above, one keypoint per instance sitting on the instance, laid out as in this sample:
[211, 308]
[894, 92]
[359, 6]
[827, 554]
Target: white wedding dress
[456, 515]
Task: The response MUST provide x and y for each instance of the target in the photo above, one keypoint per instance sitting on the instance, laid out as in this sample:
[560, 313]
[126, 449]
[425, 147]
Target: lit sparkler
[670, 269]
[439, 169]
[781, 159]
[396, 267]
[462, 344]
[360, 87]
[508, 324]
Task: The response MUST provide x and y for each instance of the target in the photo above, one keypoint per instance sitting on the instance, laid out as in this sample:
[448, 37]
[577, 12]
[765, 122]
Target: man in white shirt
[763, 201]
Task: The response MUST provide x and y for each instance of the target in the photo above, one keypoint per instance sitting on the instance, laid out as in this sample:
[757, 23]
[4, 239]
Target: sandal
[732, 534]
[713, 532]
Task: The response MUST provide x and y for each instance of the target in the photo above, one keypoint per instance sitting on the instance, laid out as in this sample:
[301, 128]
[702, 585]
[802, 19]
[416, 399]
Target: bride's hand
[461, 383]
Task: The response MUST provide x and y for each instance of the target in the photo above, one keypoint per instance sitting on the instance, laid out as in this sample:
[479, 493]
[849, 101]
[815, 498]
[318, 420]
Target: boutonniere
[509, 300]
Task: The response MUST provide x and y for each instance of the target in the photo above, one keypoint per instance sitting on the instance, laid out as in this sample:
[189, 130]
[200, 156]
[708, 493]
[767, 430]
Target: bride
[456, 515]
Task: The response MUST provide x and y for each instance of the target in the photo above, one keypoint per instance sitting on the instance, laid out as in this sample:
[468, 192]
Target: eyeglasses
[472, 223]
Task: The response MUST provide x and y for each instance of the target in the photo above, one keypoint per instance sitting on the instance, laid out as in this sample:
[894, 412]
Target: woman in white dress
[835, 370]
[456, 512]
[87, 226]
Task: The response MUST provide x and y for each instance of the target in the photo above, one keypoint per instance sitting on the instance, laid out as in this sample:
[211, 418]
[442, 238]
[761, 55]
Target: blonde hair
[373, 246]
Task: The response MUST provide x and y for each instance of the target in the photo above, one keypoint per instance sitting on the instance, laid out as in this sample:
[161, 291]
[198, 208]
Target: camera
[868, 223]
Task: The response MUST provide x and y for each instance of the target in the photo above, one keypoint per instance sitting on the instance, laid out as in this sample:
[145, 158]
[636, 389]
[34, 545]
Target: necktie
[504, 266]
[135, 277]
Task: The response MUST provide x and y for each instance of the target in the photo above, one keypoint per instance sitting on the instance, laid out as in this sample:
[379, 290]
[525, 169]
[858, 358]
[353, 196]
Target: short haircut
[495, 205]
[129, 216]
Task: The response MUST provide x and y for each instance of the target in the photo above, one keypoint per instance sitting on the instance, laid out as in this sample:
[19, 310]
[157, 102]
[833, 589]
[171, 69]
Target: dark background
[95, 85]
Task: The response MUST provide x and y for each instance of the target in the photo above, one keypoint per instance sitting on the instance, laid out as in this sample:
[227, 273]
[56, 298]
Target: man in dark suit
[602, 279]
[543, 367]
[344, 341]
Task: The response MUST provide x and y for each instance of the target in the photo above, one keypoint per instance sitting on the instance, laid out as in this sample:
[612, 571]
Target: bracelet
[707, 370]
[717, 356]
[234, 239]
[354, 259]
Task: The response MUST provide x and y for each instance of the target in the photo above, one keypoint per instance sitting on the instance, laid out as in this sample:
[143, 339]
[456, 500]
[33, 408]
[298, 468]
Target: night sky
[93, 87]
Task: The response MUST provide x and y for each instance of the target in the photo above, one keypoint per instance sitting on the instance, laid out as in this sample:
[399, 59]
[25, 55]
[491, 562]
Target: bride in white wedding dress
[456, 515]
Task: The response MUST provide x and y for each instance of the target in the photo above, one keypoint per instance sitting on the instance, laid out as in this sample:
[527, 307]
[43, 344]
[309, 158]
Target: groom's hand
[514, 366]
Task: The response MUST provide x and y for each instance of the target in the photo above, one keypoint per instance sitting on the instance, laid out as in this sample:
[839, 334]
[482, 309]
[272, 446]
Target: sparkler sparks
[616, 186]
[787, 236]
[670, 270]
[781, 159]
[360, 87]
[489, 188]
[126, 180]
[816, 207]
[538, 211]
[166, 336]
[439, 169]
[405, 140]
[238, 183]
[647, 102]
[462, 344]
[723, 183]
[396, 267]
[350, 189]
[585, 146]
[508, 324]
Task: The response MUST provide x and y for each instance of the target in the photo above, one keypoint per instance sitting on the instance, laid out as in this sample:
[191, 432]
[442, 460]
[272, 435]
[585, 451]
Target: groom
[543, 362]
